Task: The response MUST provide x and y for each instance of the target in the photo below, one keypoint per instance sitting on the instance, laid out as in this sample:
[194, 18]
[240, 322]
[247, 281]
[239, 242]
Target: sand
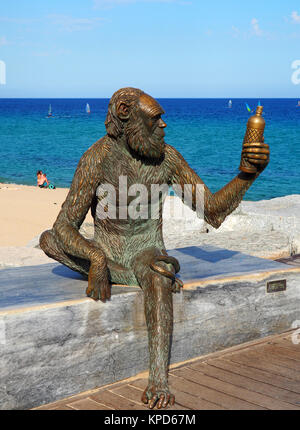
[26, 211]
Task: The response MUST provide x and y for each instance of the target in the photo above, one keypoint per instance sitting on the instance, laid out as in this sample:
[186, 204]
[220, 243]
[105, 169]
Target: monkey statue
[130, 250]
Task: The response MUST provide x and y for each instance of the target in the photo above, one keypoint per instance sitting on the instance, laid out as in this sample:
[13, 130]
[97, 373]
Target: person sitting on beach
[42, 180]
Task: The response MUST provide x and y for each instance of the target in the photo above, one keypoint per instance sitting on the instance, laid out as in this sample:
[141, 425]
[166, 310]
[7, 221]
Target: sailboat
[87, 108]
[298, 105]
[50, 111]
[230, 104]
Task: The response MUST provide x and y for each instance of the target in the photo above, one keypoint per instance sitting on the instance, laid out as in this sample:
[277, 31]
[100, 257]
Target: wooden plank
[132, 393]
[61, 408]
[258, 375]
[286, 343]
[222, 401]
[185, 399]
[273, 395]
[139, 383]
[282, 352]
[129, 392]
[88, 405]
[283, 362]
[192, 402]
[258, 362]
[227, 388]
[289, 338]
[116, 402]
[192, 385]
[278, 359]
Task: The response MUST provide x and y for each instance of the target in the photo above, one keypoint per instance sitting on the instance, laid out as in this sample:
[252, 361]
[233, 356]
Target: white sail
[230, 104]
[88, 109]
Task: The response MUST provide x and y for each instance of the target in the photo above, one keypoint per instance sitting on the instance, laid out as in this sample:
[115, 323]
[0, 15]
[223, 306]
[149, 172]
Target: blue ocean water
[207, 133]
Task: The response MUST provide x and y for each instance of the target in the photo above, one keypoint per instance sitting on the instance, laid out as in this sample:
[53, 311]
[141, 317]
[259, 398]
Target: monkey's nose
[162, 124]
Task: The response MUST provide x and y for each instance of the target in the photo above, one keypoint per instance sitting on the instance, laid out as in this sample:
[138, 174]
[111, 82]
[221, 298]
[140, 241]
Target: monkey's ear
[123, 110]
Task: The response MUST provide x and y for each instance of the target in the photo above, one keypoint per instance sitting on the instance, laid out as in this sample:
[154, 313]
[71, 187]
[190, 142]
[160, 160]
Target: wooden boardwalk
[263, 374]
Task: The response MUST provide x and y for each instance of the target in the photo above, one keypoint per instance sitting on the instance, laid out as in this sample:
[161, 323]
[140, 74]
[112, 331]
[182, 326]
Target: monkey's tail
[164, 272]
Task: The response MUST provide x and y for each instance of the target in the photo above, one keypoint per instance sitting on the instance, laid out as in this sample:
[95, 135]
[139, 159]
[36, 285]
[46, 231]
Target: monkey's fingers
[177, 285]
[255, 156]
[255, 150]
[90, 289]
[256, 160]
[256, 144]
[105, 292]
[98, 289]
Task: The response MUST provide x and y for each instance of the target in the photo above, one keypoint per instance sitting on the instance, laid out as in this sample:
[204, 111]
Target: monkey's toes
[158, 399]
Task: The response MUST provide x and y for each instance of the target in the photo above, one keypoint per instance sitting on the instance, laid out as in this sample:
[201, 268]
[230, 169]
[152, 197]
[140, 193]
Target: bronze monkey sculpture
[132, 251]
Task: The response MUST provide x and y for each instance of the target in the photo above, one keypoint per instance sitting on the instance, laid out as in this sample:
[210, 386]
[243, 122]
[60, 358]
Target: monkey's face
[145, 130]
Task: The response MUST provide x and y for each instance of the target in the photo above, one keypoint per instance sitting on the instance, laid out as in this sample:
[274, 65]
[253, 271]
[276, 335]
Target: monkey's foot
[157, 396]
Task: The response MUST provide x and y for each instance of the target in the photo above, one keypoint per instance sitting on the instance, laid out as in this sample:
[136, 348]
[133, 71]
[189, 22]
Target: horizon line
[157, 97]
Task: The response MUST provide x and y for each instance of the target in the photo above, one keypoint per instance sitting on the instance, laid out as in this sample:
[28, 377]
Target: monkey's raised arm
[73, 212]
[216, 206]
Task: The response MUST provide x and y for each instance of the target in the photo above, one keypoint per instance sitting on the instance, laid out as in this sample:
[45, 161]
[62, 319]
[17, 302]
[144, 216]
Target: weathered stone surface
[15, 256]
[279, 214]
[56, 342]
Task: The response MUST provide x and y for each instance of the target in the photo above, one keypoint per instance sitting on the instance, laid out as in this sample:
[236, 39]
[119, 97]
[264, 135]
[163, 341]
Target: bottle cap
[259, 110]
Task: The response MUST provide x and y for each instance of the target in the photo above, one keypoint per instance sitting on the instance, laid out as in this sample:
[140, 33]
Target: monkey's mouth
[159, 134]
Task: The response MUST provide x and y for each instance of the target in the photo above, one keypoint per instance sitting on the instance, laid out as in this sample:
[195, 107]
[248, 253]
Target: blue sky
[168, 48]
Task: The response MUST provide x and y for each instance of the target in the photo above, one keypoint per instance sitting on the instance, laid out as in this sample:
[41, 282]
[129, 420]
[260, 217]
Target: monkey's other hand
[99, 287]
[159, 397]
[257, 154]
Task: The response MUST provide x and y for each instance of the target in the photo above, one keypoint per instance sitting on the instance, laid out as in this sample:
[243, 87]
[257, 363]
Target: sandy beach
[26, 211]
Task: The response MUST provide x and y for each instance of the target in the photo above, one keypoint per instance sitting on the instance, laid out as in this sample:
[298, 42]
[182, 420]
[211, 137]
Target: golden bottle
[254, 134]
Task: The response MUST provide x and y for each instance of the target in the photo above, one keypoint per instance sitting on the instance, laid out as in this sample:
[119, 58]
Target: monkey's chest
[134, 177]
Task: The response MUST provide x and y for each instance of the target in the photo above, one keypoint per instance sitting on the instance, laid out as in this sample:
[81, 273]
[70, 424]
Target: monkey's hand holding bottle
[255, 153]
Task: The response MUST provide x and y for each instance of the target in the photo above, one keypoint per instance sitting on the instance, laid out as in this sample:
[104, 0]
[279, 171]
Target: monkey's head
[137, 116]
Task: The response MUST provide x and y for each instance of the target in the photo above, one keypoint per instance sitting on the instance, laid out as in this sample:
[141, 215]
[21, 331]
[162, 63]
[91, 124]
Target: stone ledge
[58, 342]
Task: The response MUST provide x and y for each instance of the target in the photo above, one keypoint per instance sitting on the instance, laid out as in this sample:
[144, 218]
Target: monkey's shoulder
[96, 153]
[173, 158]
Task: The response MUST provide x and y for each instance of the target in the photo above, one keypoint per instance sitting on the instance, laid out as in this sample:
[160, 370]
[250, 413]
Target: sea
[206, 132]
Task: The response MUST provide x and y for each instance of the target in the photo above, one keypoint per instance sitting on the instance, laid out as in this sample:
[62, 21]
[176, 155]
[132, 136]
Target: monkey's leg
[116, 273]
[158, 304]
[51, 246]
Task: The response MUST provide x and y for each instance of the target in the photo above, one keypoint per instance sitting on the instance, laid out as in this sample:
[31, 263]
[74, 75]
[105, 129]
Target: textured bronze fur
[127, 251]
